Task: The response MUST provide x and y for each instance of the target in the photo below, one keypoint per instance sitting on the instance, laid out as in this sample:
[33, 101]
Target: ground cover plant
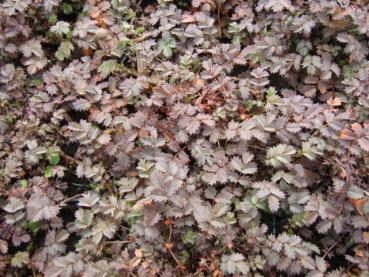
[184, 138]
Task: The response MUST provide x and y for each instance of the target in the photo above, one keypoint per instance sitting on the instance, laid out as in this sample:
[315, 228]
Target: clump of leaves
[184, 138]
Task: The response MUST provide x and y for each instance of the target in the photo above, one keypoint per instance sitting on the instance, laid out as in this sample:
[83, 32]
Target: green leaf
[310, 151]
[186, 62]
[96, 187]
[67, 8]
[134, 216]
[145, 168]
[233, 28]
[36, 82]
[279, 155]
[250, 105]
[108, 67]
[64, 51]
[53, 155]
[236, 203]
[60, 28]
[33, 227]
[54, 159]
[53, 19]
[125, 26]
[166, 46]
[231, 219]
[49, 171]
[140, 30]
[20, 259]
[185, 255]
[271, 91]
[189, 237]
[24, 183]
[348, 72]
[9, 119]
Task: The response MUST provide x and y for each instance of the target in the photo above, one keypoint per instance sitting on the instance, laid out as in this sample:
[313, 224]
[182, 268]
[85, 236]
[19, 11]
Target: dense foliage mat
[179, 138]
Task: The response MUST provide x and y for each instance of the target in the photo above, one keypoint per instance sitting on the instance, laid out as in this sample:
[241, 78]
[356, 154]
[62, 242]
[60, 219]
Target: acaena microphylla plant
[184, 138]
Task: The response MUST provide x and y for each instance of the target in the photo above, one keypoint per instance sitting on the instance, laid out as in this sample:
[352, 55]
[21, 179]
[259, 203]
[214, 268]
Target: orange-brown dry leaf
[144, 133]
[132, 173]
[199, 83]
[135, 262]
[339, 19]
[138, 253]
[169, 136]
[343, 173]
[360, 253]
[188, 18]
[340, 13]
[346, 134]
[213, 266]
[334, 101]
[141, 204]
[357, 272]
[88, 52]
[358, 204]
[100, 21]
